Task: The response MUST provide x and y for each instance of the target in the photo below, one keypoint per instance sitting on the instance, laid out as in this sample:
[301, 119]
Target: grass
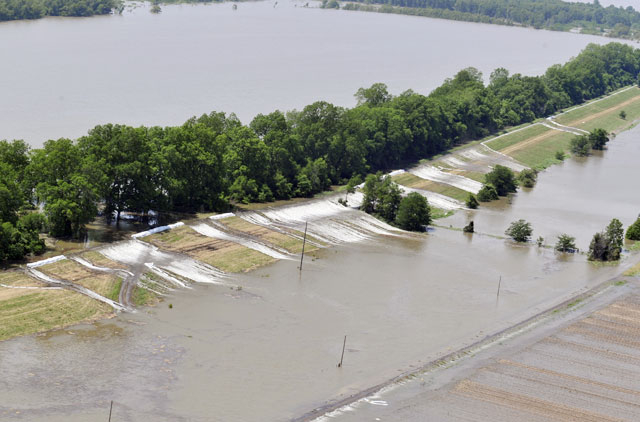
[115, 290]
[281, 240]
[413, 181]
[575, 115]
[223, 254]
[634, 271]
[541, 155]
[99, 260]
[437, 213]
[102, 283]
[514, 138]
[35, 311]
[142, 297]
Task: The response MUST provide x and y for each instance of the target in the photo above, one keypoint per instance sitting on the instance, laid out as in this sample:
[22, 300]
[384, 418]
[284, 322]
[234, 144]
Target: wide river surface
[269, 352]
[62, 76]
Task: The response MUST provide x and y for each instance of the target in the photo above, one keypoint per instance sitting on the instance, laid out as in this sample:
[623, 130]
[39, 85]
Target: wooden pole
[344, 343]
[110, 409]
[499, 283]
[304, 241]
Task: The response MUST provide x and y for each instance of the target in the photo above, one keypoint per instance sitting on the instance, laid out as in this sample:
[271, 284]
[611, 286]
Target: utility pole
[342, 357]
[110, 409]
[304, 241]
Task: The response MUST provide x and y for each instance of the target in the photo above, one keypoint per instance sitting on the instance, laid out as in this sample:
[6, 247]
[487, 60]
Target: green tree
[376, 95]
[471, 202]
[565, 243]
[615, 238]
[413, 212]
[623, 114]
[598, 138]
[469, 228]
[382, 196]
[633, 232]
[528, 178]
[487, 193]
[502, 178]
[580, 145]
[520, 231]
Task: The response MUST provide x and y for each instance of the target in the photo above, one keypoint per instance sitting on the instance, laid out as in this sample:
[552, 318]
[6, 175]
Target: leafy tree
[352, 184]
[487, 193]
[382, 196]
[580, 145]
[565, 243]
[520, 231]
[607, 245]
[598, 138]
[633, 232]
[623, 114]
[502, 178]
[472, 202]
[374, 96]
[528, 177]
[413, 212]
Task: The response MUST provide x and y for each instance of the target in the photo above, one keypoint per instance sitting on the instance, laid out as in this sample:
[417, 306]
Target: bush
[598, 138]
[623, 114]
[520, 231]
[566, 243]
[560, 155]
[469, 228]
[413, 212]
[487, 193]
[633, 232]
[472, 202]
[528, 177]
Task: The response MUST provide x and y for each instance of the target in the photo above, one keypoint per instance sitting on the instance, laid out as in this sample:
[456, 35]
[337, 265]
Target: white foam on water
[46, 261]
[165, 275]
[431, 173]
[210, 231]
[136, 252]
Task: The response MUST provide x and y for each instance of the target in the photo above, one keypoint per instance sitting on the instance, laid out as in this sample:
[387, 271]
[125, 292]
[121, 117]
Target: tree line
[550, 14]
[36, 9]
[214, 160]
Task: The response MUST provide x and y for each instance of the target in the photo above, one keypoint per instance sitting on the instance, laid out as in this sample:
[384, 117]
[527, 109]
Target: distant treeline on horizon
[214, 160]
[550, 14]
[35, 9]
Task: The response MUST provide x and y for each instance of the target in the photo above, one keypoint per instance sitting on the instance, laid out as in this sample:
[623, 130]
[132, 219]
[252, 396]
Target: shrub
[502, 178]
[469, 228]
[487, 193]
[472, 202]
[528, 177]
[520, 231]
[633, 232]
[566, 243]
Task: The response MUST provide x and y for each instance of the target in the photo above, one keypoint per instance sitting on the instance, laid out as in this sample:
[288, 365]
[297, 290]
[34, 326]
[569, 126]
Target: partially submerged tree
[520, 231]
[607, 245]
[566, 243]
[487, 193]
[469, 228]
[633, 232]
[502, 178]
[413, 213]
[472, 202]
[528, 178]
[580, 146]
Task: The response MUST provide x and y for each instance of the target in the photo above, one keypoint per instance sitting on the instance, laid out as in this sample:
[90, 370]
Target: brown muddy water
[578, 197]
[269, 351]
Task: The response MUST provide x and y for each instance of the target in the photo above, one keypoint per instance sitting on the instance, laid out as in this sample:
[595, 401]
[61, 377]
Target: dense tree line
[551, 14]
[213, 160]
[35, 9]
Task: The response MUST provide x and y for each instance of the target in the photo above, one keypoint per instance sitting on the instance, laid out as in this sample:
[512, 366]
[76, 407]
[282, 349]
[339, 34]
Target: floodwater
[578, 197]
[269, 350]
[62, 76]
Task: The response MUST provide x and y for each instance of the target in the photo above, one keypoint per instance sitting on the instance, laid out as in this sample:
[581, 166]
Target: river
[62, 76]
[269, 351]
